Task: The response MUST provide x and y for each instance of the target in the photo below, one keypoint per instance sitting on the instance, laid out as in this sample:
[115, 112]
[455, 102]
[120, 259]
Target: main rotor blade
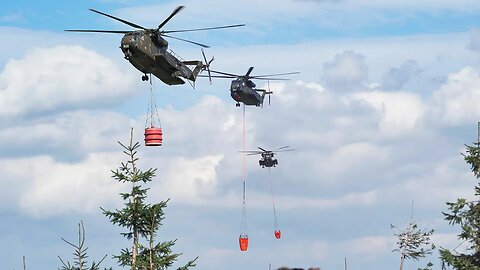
[215, 76]
[201, 29]
[280, 148]
[248, 72]
[175, 11]
[224, 73]
[189, 41]
[284, 150]
[263, 149]
[278, 74]
[118, 19]
[270, 79]
[99, 31]
[251, 151]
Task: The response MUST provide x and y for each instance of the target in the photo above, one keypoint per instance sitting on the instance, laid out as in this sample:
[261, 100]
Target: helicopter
[267, 159]
[242, 89]
[148, 51]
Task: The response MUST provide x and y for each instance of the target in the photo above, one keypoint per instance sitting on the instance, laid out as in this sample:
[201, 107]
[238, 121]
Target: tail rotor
[206, 66]
[269, 92]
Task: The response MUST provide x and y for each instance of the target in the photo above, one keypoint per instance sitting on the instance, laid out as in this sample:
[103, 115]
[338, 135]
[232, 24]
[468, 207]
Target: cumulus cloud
[69, 148]
[399, 112]
[46, 187]
[396, 78]
[369, 247]
[347, 200]
[333, 170]
[198, 120]
[68, 135]
[191, 180]
[346, 72]
[61, 77]
[358, 154]
[456, 101]
[321, 13]
[339, 163]
[443, 181]
[423, 5]
[474, 44]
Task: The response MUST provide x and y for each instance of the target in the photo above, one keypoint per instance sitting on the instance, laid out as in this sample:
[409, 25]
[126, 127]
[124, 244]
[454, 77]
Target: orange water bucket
[153, 136]
[278, 234]
[243, 241]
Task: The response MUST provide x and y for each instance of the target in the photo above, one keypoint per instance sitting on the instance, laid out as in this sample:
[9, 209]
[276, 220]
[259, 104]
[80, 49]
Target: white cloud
[311, 85]
[67, 135]
[369, 247]
[357, 156]
[456, 102]
[281, 92]
[208, 128]
[54, 188]
[396, 78]
[368, 198]
[449, 241]
[186, 171]
[12, 17]
[399, 112]
[339, 165]
[60, 77]
[61, 164]
[426, 5]
[346, 72]
[474, 44]
[190, 180]
[291, 11]
[443, 181]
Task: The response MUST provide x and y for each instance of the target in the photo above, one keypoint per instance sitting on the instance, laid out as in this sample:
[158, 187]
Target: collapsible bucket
[153, 136]
[243, 241]
[278, 234]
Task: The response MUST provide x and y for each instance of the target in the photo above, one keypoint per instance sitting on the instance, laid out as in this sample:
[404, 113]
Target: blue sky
[385, 100]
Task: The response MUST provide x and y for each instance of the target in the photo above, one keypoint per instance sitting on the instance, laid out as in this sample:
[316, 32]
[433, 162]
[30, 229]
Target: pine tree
[142, 220]
[413, 243]
[80, 254]
[466, 214]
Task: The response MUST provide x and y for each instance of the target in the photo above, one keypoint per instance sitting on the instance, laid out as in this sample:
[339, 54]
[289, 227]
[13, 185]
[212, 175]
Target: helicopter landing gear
[237, 105]
[145, 77]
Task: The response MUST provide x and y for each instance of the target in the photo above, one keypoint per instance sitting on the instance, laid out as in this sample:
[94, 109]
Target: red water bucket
[278, 234]
[243, 241]
[153, 136]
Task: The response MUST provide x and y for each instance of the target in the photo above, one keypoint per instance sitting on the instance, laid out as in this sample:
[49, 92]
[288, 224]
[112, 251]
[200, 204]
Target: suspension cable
[244, 205]
[152, 114]
[273, 200]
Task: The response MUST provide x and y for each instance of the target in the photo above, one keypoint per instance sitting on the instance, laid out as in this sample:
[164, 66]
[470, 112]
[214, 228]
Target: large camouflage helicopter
[242, 89]
[148, 51]
[267, 159]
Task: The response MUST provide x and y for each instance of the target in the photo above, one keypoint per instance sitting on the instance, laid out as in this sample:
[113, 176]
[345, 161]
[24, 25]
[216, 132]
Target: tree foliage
[80, 254]
[466, 214]
[413, 243]
[140, 219]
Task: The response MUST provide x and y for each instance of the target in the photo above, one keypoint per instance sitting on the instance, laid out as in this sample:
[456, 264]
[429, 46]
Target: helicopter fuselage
[267, 156]
[268, 160]
[243, 90]
[147, 50]
[149, 54]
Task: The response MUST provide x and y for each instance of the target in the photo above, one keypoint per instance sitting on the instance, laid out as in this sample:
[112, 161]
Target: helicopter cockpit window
[134, 37]
[235, 85]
